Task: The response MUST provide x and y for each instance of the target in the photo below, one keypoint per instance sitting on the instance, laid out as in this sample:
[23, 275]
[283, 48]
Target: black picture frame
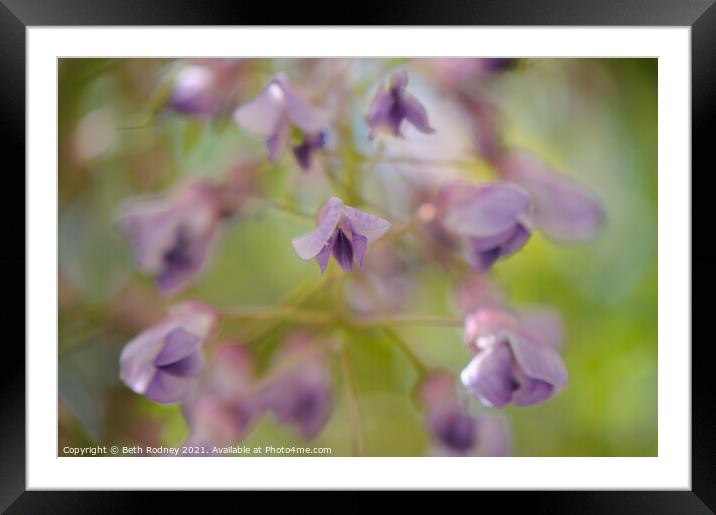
[17, 15]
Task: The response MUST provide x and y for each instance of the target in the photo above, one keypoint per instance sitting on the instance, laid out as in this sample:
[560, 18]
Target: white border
[671, 469]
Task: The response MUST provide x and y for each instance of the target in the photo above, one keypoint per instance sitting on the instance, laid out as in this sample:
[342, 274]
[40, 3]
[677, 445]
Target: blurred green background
[593, 119]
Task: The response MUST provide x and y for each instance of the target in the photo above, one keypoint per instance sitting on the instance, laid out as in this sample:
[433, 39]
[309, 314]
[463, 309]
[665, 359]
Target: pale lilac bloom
[172, 235]
[195, 92]
[221, 407]
[165, 361]
[493, 219]
[454, 431]
[302, 393]
[478, 291]
[342, 231]
[511, 364]
[274, 111]
[391, 106]
[563, 211]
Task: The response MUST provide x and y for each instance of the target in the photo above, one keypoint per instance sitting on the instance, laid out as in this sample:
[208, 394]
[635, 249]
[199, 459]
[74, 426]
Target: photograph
[357, 257]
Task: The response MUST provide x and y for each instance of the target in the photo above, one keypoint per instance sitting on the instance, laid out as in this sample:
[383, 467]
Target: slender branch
[289, 314]
[353, 410]
[382, 322]
[417, 363]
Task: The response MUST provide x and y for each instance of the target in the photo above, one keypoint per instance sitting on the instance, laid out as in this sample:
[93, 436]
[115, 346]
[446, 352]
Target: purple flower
[454, 431]
[302, 393]
[172, 235]
[563, 210]
[305, 151]
[195, 92]
[513, 363]
[342, 231]
[221, 408]
[493, 219]
[164, 361]
[274, 111]
[391, 106]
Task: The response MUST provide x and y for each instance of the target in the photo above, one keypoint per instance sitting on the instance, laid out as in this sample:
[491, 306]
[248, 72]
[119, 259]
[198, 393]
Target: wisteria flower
[305, 151]
[172, 235]
[342, 231]
[454, 431]
[164, 361]
[302, 393]
[274, 111]
[391, 106]
[563, 211]
[195, 92]
[512, 364]
[493, 219]
[221, 407]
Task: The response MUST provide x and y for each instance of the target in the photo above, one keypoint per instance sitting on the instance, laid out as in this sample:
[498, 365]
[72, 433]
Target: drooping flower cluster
[515, 352]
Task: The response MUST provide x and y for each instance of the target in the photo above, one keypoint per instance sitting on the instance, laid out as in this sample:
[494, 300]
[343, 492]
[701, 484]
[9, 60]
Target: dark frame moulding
[17, 15]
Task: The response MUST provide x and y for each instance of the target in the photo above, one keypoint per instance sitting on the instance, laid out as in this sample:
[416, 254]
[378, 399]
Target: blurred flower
[165, 360]
[390, 107]
[172, 235]
[342, 231]
[205, 88]
[563, 210]
[307, 148]
[484, 125]
[454, 431]
[222, 406]
[511, 363]
[194, 92]
[302, 393]
[274, 111]
[493, 219]
[240, 182]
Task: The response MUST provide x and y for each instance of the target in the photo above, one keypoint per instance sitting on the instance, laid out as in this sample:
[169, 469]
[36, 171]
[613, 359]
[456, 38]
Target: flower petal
[167, 388]
[538, 361]
[415, 113]
[483, 210]
[360, 243]
[489, 377]
[324, 255]
[300, 112]
[309, 245]
[563, 210]
[277, 142]
[178, 344]
[265, 112]
[342, 250]
[370, 226]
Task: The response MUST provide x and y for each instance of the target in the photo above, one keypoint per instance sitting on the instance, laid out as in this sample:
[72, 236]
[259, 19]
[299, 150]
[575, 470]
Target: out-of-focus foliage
[595, 120]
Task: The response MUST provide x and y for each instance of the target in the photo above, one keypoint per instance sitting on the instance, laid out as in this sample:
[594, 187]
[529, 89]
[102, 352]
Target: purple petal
[360, 243]
[167, 388]
[190, 366]
[309, 245]
[370, 226]
[531, 391]
[399, 81]
[324, 255]
[178, 344]
[481, 260]
[379, 111]
[301, 114]
[539, 361]
[343, 250]
[193, 92]
[563, 210]
[455, 430]
[484, 210]
[265, 112]
[277, 142]
[489, 376]
[137, 358]
[516, 241]
[415, 113]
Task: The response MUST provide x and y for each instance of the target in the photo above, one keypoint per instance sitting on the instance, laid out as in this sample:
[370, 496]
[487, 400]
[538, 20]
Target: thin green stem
[283, 208]
[388, 321]
[287, 314]
[353, 410]
[417, 363]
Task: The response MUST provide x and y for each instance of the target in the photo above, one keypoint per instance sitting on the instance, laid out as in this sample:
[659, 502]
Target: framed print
[424, 257]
